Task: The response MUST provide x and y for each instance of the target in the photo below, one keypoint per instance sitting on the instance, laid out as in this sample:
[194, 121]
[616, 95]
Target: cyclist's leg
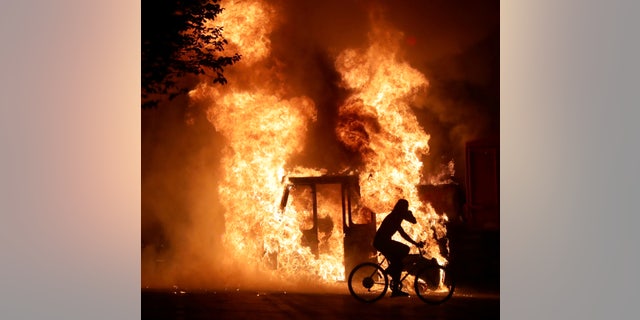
[396, 253]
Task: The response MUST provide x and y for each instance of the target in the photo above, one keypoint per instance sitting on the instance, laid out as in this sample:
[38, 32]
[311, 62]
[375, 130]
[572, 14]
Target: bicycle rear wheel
[368, 282]
[434, 285]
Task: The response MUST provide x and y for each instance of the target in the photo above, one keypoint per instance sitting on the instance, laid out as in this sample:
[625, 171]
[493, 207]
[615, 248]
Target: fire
[377, 121]
[244, 27]
[263, 129]
[264, 126]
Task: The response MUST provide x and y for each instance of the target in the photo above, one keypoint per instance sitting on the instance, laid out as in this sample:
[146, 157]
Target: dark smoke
[454, 44]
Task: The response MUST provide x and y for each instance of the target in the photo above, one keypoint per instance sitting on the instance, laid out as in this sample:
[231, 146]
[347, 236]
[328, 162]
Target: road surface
[239, 304]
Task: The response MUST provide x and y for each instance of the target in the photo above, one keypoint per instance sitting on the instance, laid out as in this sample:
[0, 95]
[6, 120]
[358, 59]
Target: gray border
[569, 119]
[69, 170]
[568, 109]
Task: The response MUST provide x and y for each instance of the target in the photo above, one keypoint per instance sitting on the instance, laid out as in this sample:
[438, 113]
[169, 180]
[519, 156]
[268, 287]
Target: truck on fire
[331, 218]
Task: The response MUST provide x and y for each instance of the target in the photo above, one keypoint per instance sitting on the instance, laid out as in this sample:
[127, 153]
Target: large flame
[377, 121]
[264, 126]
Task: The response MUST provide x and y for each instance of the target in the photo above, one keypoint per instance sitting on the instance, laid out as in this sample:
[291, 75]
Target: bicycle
[433, 284]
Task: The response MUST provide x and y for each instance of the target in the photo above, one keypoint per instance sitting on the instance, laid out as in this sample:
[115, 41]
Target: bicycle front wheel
[368, 282]
[434, 285]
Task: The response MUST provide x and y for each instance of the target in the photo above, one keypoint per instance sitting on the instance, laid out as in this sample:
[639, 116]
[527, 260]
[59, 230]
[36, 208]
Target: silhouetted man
[393, 250]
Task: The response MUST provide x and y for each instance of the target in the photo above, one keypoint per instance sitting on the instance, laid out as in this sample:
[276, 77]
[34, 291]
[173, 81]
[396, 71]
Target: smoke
[462, 103]
[180, 213]
[454, 44]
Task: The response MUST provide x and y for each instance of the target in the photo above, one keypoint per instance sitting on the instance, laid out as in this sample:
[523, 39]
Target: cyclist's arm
[406, 236]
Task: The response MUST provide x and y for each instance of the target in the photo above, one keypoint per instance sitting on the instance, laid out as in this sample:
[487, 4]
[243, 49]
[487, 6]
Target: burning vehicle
[331, 217]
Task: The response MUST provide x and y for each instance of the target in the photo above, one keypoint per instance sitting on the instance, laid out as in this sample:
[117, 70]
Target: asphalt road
[238, 304]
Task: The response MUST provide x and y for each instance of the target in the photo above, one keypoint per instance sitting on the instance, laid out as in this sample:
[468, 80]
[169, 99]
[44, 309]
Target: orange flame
[377, 121]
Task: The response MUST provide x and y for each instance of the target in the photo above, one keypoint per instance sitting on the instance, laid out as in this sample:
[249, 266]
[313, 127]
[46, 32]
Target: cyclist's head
[402, 208]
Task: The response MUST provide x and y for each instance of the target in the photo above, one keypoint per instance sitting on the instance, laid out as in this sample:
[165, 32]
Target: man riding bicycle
[393, 250]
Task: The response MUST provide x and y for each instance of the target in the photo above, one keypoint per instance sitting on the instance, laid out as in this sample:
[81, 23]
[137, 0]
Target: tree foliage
[178, 39]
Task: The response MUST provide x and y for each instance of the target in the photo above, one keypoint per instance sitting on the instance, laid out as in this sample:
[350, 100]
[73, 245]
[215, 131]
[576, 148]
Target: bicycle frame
[410, 265]
[369, 281]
